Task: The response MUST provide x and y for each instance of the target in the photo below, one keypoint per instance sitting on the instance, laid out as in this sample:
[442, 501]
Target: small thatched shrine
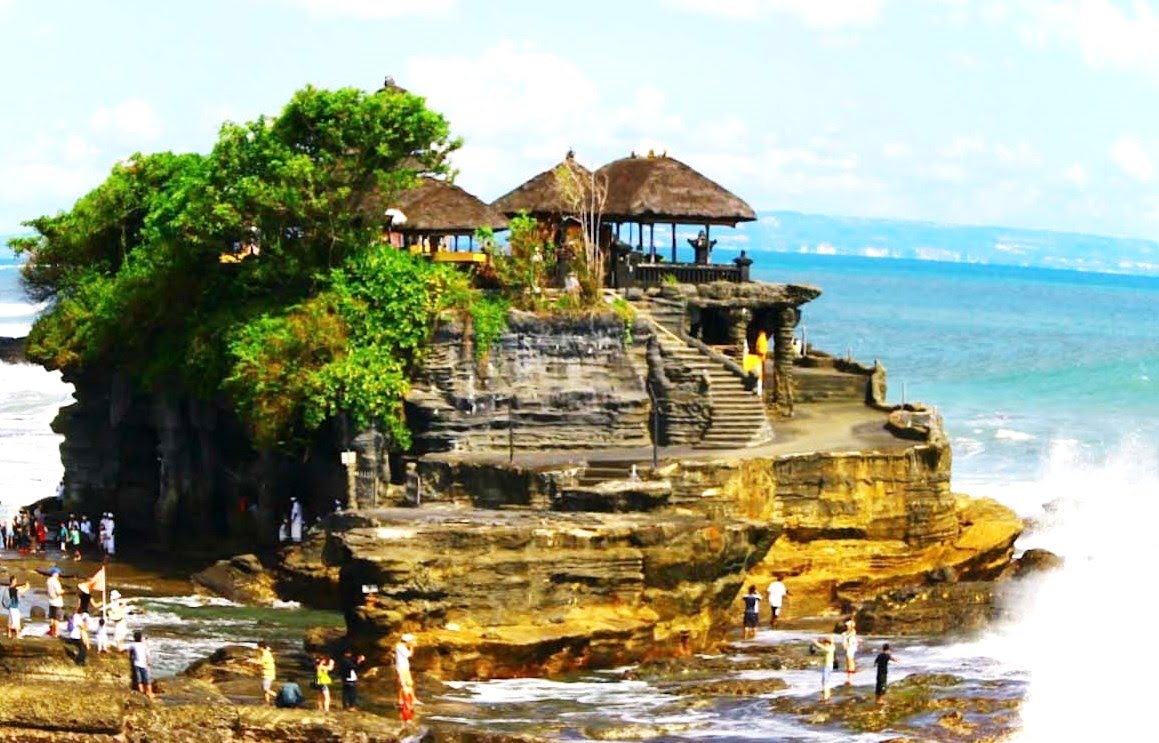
[545, 196]
[434, 215]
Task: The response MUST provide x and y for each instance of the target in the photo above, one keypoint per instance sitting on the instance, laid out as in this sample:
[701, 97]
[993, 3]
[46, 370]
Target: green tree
[322, 320]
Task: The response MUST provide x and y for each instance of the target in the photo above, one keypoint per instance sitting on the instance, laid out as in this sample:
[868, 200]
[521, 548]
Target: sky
[1039, 114]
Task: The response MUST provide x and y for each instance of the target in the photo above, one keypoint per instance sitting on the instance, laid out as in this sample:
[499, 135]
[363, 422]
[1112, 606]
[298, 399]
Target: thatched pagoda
[656, 189]
[544, 196]
[435, 214]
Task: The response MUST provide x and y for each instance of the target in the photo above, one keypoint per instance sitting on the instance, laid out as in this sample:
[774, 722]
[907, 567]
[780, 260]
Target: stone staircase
[738, 416]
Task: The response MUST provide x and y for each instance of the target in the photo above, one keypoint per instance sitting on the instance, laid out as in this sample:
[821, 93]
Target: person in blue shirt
[289, 696]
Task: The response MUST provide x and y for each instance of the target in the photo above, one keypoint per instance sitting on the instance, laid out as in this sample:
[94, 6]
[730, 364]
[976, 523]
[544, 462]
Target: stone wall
[547, 383]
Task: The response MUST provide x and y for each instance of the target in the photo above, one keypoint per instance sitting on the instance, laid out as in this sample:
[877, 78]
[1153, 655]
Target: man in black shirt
[348, 666]
[882, 663]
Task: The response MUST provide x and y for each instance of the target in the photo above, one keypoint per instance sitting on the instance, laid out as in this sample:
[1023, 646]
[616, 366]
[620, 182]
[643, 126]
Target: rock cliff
[546, 383]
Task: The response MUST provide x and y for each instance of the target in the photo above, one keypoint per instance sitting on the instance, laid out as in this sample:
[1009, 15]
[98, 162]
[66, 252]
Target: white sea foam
[1010, 434]
[1102, 523]
[30, 398]
[20, 309]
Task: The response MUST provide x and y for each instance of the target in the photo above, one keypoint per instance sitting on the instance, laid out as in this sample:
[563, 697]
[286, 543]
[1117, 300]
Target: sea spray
[1083, 630]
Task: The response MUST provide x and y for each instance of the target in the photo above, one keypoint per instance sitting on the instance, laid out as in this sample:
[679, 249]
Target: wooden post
[673, 242]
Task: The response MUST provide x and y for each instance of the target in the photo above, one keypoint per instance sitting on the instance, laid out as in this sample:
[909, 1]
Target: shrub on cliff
[256, 269]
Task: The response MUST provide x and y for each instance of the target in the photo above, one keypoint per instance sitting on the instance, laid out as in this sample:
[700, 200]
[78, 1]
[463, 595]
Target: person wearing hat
[55, 591]
[403, 651]
[117, 613]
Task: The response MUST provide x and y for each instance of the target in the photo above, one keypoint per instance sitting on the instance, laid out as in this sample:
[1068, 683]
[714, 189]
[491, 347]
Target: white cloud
[508, 88]
[132, 122]
[896, 150]
[375, 9]
[1132, 159]
[821, 14]
[77, 148]
[871, 252]
[963, 147]
[1076, 175]
[1107, 34]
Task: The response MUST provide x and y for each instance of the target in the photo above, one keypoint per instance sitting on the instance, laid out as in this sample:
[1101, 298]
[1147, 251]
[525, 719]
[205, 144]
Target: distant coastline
[790, 232]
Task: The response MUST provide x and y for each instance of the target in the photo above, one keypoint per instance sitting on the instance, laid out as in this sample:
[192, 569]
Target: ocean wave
[20, 309]
[15, 329]
[1010, 434]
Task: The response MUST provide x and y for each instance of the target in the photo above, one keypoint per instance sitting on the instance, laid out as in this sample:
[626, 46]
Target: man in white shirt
[55, 592]
[777, 593]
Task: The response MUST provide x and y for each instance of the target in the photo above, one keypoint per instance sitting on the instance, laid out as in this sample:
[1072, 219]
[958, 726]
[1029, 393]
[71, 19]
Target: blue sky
[1034, 113]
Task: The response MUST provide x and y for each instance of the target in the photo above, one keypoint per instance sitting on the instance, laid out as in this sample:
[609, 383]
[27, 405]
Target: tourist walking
[777, 592]
[882, 662]
[403, 651]
[752, 612]
[12, 601]
[323, 665]
[348, 666]
[828, 656]
[850, 642]
[269, 671]
[139, 657]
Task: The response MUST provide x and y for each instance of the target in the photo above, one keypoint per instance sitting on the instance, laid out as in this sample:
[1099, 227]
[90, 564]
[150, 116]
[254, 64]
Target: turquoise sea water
[1046, 381]
[1014, 358]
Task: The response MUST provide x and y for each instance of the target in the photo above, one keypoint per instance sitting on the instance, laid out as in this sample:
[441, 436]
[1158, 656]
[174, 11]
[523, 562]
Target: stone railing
[655, 274]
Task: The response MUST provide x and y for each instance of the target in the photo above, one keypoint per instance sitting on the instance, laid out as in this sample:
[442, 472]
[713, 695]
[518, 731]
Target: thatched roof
[438, 207]
[542, 195]
[661, 189]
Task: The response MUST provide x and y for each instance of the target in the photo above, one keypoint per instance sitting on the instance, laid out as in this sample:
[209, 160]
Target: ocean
[1045, 381]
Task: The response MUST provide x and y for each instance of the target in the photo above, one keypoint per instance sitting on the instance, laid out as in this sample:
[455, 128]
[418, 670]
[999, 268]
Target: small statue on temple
[743, 262]
[703, 247]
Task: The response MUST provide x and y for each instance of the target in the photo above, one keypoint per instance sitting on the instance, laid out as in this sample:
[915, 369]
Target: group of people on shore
[28, 532]
[345, 668]
[850, 643]
[826, 644]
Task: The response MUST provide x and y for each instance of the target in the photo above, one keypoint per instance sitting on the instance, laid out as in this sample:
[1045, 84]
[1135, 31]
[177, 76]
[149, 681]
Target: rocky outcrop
[45, 696]
[242, 579]
[557, 382]
[506, 593]
[12, 351]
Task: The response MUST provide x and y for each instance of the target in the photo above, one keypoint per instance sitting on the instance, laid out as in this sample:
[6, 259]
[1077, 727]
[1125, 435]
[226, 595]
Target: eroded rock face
[546, 383]
[502, 593]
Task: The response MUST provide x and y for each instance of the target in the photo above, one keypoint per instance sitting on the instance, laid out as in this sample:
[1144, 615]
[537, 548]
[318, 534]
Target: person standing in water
[850, 642]
[828, 655]
[882, 662]
[752, 612]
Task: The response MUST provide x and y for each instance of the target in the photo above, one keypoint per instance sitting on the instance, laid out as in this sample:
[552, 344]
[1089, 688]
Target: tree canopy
[310, 316]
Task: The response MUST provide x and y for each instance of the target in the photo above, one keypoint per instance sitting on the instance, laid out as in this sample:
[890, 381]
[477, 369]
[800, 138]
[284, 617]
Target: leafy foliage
[145, 272]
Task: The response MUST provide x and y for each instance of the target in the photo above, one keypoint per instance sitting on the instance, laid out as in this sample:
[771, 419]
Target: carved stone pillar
[738, 328]
[786, 321]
